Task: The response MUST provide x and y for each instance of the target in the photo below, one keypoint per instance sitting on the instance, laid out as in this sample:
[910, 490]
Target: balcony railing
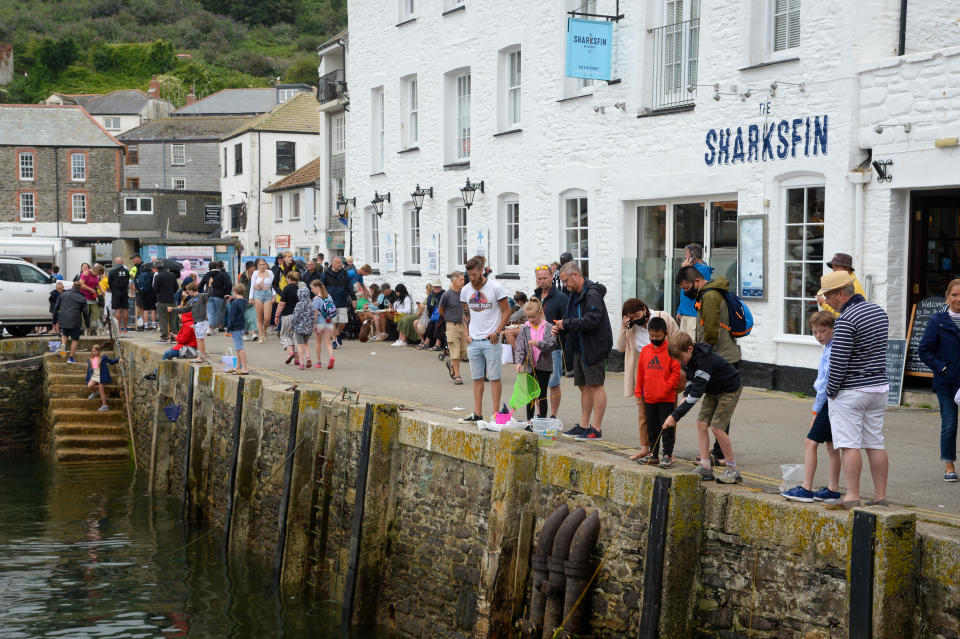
[332, 85]
[675, 55]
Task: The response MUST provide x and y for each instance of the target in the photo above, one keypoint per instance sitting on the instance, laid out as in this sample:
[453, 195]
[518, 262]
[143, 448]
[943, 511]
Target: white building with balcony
[752, 128]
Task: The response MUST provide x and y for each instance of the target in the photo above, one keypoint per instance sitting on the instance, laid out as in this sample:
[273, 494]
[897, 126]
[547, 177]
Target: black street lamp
[342, 203]
[418, 194]
[469, 191]
[378, 201]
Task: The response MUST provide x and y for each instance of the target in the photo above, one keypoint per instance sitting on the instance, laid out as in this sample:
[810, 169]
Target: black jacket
[940, 350]
[71, 308]
[165, 286]
[586, 323]
[707, 373]
[119, 279]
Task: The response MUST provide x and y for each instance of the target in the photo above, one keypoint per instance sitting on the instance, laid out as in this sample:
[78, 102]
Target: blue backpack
[741, 319]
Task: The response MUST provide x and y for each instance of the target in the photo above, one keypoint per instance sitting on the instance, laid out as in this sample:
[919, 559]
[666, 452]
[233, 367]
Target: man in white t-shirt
[485, 311]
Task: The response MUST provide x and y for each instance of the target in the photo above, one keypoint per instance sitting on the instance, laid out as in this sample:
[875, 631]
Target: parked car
[24, 296]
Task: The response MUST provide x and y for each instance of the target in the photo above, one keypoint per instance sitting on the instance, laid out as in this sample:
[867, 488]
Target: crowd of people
[672, 362]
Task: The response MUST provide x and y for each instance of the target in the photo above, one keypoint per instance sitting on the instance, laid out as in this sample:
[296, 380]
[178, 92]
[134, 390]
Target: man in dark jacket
[165, 288]
[337, 282]
[218, 284]
[586, 326]
[118, 280]
[71, 308]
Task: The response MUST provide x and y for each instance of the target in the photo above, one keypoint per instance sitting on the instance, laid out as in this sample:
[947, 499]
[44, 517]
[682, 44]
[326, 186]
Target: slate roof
[42, 125]
[120, 102]
[305, 175]
[233, 102]
[207, 127]
[299, 114]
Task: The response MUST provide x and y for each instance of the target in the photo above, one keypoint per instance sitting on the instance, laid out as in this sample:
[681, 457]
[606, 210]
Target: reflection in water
[85, 552]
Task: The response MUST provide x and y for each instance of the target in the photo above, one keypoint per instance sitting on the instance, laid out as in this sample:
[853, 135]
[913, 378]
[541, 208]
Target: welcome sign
[589, 49]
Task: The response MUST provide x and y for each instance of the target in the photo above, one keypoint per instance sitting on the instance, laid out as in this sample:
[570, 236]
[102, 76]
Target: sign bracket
[614, 18]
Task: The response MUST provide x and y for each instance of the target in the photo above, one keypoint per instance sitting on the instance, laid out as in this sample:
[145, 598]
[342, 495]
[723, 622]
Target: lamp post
[378, 201]
[469, 191]
[418, 195]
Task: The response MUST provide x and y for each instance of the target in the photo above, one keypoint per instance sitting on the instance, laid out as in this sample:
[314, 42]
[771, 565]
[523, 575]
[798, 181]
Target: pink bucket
[502, 418]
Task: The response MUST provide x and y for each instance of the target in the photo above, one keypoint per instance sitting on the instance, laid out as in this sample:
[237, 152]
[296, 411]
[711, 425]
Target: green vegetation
[96, 46]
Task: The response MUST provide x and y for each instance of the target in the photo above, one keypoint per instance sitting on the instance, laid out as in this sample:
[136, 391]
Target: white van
[24, 296]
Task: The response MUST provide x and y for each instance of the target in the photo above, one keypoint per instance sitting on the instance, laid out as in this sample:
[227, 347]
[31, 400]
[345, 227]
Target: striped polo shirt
[859, 354]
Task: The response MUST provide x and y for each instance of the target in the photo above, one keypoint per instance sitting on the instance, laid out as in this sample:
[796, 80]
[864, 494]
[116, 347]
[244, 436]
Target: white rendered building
[748, 127]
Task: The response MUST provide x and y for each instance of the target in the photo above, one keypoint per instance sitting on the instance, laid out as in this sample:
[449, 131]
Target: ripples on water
[85, 552]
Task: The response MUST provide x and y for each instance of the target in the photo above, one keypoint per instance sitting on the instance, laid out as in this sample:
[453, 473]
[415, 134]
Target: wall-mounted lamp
[418, 194]
[801, 86]
[620, 105]
[881, 167]
[907, 127]
[469, 191]
[599, 109]
[342, 202]
[378, 201]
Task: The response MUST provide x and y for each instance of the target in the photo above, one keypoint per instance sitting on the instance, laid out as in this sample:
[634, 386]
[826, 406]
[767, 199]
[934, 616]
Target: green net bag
[525, 390]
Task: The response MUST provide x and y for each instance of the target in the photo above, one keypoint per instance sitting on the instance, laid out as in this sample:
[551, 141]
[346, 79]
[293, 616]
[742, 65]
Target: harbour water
[86, 552]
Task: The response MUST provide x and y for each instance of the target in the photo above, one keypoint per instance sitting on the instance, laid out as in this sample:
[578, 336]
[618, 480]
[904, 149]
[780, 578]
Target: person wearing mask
[687, 310]
[554, 303]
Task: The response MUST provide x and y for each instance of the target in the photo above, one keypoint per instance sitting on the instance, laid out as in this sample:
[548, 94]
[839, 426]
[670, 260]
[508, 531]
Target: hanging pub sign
[589, 49]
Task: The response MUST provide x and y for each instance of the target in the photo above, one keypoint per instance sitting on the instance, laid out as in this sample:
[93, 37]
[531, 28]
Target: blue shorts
[557, 369]
[484, 359]
[237, 340]
[260, 295]
[820, 432]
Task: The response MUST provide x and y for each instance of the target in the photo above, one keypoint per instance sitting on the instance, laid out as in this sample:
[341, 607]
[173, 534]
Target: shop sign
[281, 241]
[589, 49]
[198, 256]
[211, 214]
[774, 140]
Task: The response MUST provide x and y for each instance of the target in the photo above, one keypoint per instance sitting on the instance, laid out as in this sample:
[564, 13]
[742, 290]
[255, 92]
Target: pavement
[768, 429]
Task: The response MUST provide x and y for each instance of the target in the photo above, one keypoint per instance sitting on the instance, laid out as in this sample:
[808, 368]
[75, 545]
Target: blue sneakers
[798, 493]
[827, 496]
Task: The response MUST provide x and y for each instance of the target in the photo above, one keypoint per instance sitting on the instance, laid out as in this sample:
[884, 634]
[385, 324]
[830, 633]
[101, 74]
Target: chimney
[192, 96]
[154, 89]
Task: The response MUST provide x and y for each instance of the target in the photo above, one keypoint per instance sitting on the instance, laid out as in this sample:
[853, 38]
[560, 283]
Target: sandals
[289, 359]
[457, 381]
[197, 360]
[641, 457]
[437, 348]
[450, 370]
[422, 347]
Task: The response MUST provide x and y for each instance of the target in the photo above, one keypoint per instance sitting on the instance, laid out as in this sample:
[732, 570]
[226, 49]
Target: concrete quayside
[433, 529]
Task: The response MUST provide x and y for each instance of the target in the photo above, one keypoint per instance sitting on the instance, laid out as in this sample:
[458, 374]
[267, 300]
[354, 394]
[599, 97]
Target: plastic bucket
[502, 418]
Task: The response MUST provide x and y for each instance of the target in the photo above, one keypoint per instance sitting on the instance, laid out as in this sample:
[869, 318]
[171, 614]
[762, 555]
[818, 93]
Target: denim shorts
[557, 368]
[260, 295]
[237, 340]
[484, 359]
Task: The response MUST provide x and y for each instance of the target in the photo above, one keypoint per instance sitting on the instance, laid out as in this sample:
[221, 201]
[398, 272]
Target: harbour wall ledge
[427, 527]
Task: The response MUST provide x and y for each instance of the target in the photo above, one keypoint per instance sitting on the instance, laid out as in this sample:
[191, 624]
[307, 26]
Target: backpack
[329, 309]
[303, 318]
[741, 319]
[144, 283]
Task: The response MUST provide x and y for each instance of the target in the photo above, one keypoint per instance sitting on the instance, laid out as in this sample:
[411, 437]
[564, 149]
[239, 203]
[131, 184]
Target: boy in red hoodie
[185, 338]
[656, 390]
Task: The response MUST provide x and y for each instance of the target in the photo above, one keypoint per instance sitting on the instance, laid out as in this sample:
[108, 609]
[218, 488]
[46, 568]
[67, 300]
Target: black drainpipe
[903, 28]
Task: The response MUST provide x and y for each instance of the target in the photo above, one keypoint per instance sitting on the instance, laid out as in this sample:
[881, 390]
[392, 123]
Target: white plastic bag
[792, 475]
[229, 360]
[506, 354]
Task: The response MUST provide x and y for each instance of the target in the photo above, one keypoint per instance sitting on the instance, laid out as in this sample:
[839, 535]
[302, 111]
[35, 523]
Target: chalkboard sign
[919, 317]
[896, 358]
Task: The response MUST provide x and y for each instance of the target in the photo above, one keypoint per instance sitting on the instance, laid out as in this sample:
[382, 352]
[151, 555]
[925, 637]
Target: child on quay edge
[236, 321]
[717, 382]
[657, 377]
[821, 323]
[98, 374]
[186, 340]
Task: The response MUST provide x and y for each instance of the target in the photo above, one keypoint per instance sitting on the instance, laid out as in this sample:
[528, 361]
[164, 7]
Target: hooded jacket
[707, 373]
[186, 336]
[587, 324]
[712, 318]
[686, 306]
[657, 375]
[71, 308]
[940, 350]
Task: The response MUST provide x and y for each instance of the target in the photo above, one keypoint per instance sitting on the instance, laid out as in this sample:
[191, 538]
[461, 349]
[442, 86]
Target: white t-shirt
[641, 337]
[406, 306]
[484, 307]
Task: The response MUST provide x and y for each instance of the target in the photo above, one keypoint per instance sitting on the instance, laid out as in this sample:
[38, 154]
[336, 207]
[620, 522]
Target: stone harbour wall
[21, 392]
[428, 528]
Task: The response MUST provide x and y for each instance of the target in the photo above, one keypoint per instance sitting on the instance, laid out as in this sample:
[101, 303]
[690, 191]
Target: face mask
[691, 293]
[657, 342]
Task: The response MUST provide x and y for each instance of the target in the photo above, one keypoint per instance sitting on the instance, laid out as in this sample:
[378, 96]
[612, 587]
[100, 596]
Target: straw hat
[834, 280]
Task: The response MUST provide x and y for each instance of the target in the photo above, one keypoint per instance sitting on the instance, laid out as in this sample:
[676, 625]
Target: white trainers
[93, 395]
[399, 343]
[104, 408]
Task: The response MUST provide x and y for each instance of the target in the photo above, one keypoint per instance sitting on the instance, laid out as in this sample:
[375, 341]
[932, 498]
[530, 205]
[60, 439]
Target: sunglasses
[541, 268]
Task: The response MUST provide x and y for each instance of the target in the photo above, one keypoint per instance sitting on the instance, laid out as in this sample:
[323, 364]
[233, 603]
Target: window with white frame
[373, 236]
[178, 154]
[181, 208]
[28, 207]
[413, 236]
[111, 123]
[278, 208]
[179, 184]
[463, 116]
[78, 207]
[377, 131]
[458, 235]
[803, 257]
[339, 133]
[140, 205]
[238, 159]
[513, 89]
[511, 232]
[27, 166]
[294, 206]
[676, 45]
[410, 127]
[78, 167]
[285, 94]
[224, 161]
[408, 10]
[786, 24]
[286, 157]
[575, 229]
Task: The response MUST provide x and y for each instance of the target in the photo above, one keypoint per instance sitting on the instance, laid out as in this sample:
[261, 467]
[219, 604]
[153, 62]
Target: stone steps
[88, 416]
[78, 443]
[93, 454]
[59, 390]
[83, 402]
[68, 429]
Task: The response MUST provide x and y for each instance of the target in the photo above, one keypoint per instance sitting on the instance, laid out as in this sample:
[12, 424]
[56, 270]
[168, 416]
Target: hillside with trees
[96, 46]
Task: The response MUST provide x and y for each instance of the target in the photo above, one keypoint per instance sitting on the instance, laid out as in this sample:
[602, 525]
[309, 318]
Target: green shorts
[717, 409]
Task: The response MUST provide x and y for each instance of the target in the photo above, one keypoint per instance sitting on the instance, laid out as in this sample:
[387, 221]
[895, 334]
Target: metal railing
[332, 85]
[676, 50]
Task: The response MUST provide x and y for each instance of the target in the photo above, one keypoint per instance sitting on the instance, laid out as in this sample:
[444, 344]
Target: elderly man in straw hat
[857, 385]
[841, 262]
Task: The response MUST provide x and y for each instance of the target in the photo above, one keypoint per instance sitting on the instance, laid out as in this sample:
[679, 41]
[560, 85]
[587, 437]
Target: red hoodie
[657, 375]
[186, 336]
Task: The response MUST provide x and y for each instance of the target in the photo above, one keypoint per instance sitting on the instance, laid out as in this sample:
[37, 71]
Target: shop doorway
[664, 230]
[934, 243]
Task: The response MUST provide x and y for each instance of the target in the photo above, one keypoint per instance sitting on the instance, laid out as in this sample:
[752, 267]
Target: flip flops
[457, 381]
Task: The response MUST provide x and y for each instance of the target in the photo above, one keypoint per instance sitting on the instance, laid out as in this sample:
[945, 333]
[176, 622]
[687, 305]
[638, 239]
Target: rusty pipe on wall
[533, 624]
[578, 570]
[554, 588]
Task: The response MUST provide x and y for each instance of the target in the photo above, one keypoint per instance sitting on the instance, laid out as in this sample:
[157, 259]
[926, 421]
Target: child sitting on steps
[98, 374]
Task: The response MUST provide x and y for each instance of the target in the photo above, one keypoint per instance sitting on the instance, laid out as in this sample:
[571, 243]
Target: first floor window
[78, 206]
[179, 184]
[513, 89]
[512, 233]
[278, 214]
[238, 159]
[236, 217]
[803, 258]
[111, 124]
[463, 116]
[78, 167]
[178, 155]
[295, 206]
[408, 9]
[181, 207]
[786, 24]
[133, 183]
[414, 237]
[224, 161]
[459, 239]
[133, 155]
[28, 207]
[27, 166]
[374, 237]
[575, 231]
[286, 157]
[377, 132]
[138, 205]
[339, 144]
